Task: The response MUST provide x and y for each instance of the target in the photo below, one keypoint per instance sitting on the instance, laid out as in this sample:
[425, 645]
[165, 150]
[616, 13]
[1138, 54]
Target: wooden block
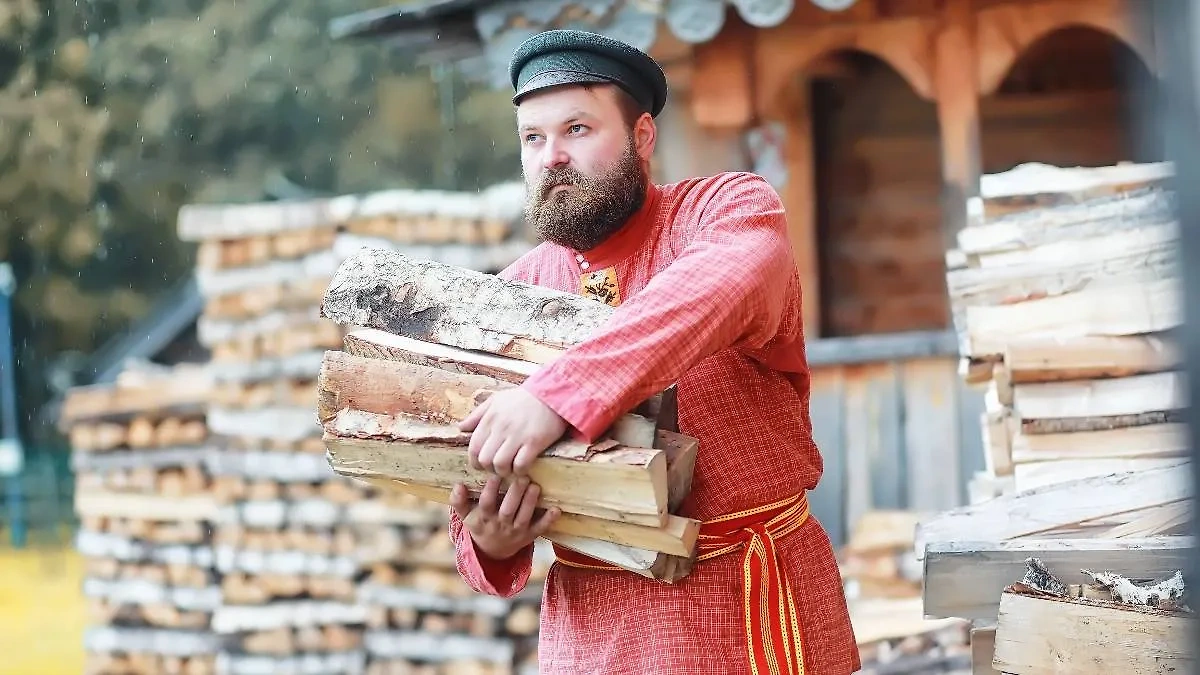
[1088, 405]
[676, 537]
[1038, 633]
[621, 484]
[993, 565]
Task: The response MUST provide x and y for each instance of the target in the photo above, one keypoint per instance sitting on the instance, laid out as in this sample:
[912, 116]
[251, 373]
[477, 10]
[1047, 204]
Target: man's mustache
[552, 178]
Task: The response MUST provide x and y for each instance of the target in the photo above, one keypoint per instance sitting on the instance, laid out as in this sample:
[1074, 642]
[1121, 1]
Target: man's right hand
[502, 527]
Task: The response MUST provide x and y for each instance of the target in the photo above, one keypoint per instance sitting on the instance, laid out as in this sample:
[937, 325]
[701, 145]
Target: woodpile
[146, 505]
[1065, 292]
[299, 564]
[431, 341]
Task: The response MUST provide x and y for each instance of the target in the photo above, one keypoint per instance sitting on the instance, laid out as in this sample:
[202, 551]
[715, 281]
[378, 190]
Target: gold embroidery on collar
[601, 285]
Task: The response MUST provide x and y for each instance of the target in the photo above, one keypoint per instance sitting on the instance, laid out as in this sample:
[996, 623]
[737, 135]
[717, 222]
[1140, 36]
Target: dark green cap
[559, 57]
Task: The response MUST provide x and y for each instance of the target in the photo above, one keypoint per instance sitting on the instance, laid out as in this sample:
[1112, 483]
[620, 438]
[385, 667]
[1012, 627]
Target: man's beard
[583, 216]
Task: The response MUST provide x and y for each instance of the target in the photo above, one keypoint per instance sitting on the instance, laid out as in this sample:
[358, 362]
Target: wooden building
[875, 119]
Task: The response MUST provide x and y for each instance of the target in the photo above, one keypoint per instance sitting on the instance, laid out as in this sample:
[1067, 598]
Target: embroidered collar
[627, 240]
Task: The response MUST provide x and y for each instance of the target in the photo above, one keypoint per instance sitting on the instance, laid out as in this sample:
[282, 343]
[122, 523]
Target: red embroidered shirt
[709, 298]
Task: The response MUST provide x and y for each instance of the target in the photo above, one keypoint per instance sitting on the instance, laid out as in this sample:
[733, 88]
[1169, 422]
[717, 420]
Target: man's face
[584, 167]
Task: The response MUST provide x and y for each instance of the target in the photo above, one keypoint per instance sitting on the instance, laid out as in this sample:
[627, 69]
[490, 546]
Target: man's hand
[500, 531]
[509, 430]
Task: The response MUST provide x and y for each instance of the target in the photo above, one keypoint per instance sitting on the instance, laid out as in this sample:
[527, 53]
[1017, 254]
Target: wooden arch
[784, 52]
[1007, 31]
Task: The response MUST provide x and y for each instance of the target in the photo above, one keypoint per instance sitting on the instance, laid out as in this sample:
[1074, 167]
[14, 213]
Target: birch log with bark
[377, 344]
[434, 302]
[431, 393]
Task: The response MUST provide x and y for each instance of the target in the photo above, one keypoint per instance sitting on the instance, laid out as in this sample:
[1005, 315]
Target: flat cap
[558, 57]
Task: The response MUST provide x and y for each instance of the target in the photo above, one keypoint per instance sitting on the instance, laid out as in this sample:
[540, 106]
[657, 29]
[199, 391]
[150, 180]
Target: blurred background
[179, 180]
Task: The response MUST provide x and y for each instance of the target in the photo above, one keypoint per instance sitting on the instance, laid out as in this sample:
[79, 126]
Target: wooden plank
[883, 347]
[983, 646]
[971, 458]
[829, 499]
[622, 484]
[931, 433]
[1042, 633]
[677, 537]
[1150, 440]
[1112, 397]
[862, 435]
[1050, 359]
[993, 565]
[1033, 475]
[1105, 311]
[886, 437]
[1056, 506]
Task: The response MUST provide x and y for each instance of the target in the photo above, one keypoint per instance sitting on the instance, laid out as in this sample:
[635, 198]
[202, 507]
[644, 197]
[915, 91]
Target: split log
[1049, 192]
[239, 619]
[1048, 360]
[676, 537]
[1039, 632]
[1122, 310]
[603, 480]
[992, 565]
[433, 302]
[154, 507]
[182, 393]
[376, 344]
[442, 396]
[1091, 405]
[1133, 256]
[1056, 506]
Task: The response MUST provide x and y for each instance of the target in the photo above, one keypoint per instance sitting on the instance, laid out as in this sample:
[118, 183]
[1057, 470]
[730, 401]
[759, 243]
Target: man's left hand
[509, 430]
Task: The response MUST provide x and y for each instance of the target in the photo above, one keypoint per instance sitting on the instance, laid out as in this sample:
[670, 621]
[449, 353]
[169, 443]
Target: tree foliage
[114, 113]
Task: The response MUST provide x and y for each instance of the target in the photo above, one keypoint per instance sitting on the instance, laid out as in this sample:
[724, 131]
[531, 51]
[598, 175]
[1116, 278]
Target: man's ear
[645, 134]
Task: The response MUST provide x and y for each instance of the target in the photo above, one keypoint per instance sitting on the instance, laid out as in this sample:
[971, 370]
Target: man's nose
[553, 156]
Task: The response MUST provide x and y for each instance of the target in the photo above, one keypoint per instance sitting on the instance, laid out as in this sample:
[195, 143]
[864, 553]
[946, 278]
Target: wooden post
[800, 199]
[957, 89]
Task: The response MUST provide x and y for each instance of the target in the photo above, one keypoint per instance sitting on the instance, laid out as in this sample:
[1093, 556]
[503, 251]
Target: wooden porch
[882, 119]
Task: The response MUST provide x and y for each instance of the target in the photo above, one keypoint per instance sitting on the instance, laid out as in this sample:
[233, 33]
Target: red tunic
[708, 297]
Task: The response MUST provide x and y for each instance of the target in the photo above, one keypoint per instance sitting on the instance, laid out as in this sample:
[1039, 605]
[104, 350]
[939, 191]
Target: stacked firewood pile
[146, 505]
[294, 542]
[1065, 291]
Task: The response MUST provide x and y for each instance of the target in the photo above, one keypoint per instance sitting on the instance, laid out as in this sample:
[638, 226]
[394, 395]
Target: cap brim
[558, 78]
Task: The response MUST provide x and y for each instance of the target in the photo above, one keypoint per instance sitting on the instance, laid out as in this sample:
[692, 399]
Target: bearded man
[707, 297]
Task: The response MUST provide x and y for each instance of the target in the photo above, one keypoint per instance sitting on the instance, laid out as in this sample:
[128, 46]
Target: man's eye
[530, 138]
[576, 128]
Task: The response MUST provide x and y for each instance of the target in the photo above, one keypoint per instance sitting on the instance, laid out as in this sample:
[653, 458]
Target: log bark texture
[433, 302]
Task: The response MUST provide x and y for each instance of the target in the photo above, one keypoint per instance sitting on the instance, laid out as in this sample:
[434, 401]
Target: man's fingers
[460, 501]
[524, 459]
[529, 502]
[472, 420]
[542, 525]
[512, 500]
[502, 462]
[487, 452]
[490, 495]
